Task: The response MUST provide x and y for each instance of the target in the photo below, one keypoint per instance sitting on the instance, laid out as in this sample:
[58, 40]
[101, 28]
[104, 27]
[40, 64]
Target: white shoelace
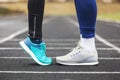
[73, 51]
[77, 47]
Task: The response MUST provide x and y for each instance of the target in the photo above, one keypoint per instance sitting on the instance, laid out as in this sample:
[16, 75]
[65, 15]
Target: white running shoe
[79, 56]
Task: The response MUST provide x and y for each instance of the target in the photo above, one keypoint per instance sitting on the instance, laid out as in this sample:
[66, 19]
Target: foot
[36, 51]
[79, 56]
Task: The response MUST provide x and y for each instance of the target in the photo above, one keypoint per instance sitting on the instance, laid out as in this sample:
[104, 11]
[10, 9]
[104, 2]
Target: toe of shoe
[60, 58]
[49, 61]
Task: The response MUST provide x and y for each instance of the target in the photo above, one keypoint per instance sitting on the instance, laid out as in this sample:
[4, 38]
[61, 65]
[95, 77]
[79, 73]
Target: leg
[85, 53]
[87, 12]
[33, 44]
[35, 15]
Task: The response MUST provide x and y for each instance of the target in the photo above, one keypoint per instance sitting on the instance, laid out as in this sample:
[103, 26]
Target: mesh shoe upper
[39, 51]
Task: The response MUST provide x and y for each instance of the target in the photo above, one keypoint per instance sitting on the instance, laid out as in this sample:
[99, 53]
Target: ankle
[36, 40]
[88, 44]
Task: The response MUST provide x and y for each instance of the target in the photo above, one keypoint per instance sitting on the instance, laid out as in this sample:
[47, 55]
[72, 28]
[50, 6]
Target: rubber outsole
[73, 64]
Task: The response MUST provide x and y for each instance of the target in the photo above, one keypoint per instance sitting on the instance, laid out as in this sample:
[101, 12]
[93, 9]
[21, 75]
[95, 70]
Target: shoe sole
[27, 50]
[73, 64]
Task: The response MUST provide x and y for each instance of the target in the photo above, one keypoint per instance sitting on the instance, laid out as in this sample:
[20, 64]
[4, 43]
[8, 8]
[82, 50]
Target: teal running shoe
[36, 51]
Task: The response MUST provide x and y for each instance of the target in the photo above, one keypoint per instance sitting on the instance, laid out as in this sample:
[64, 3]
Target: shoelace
[77, 47]
[73, 51]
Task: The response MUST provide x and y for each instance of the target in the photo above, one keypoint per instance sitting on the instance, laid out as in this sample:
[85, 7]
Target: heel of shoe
[92, 60]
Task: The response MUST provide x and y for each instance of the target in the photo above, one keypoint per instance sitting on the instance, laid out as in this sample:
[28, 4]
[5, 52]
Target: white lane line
[108, 43]
[57, 43]
[58, 72]
[105, 58]
[15, 58]
[11, 36]
[100, 58]
[19, 39]
[62, 41]
[68, 44]
[114, 40]
[51, 48]
[97, 36]
[60, 44]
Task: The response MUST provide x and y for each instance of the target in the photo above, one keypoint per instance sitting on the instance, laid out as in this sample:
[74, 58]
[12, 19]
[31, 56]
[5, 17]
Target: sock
[88, 43]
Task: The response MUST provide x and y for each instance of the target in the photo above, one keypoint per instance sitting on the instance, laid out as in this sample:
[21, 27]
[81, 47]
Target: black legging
[35, 16]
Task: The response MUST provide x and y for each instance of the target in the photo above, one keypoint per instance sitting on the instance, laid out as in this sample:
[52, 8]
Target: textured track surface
[60, 34]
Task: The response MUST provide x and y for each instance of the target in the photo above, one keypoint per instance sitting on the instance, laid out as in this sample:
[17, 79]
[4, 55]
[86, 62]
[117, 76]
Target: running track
[60, 34]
